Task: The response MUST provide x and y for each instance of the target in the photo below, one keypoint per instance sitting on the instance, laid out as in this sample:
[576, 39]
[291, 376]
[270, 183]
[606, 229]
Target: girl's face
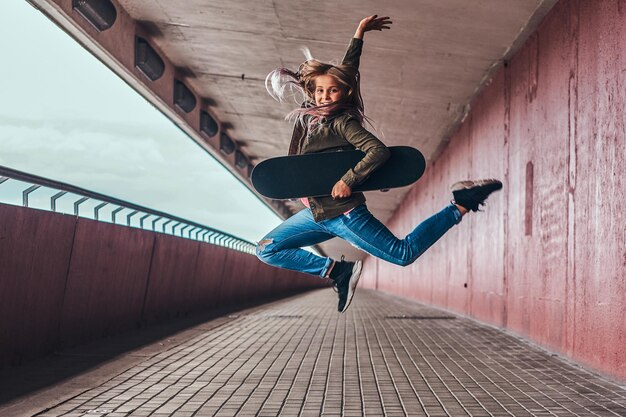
[327, 90]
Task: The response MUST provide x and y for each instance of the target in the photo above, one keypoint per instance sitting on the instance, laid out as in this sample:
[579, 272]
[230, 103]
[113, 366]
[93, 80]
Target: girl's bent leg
[281, 246]
[364, 231]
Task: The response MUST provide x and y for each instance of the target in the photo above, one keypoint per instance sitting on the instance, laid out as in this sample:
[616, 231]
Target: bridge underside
[418, 79]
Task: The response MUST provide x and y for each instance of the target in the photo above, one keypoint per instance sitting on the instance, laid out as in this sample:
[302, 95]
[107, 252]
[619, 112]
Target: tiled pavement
[384, 357]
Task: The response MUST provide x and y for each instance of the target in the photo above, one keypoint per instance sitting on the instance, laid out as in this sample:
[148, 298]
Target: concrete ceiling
[418, 79]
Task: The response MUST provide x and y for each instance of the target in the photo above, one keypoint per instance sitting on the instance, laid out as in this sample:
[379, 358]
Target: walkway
[385, 356]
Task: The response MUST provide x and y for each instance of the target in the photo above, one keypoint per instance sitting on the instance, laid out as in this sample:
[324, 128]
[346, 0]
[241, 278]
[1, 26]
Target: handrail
[208, 235]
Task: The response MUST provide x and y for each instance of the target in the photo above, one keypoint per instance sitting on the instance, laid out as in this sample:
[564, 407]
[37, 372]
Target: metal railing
[135, 215]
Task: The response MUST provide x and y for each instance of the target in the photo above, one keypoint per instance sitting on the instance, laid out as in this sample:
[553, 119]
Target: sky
[65, 116]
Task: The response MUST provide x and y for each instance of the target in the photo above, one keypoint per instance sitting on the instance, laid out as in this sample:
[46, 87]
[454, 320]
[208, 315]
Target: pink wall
[31, 293]
[547, 258]
[106, 280]
[65, 280]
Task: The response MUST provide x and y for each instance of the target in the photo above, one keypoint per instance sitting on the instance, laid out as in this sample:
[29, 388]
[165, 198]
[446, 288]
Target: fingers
[341, 190]
[382, 20]
[336, 193]
[376, 23]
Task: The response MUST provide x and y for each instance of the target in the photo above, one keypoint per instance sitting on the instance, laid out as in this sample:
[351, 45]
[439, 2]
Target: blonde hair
[283, 84]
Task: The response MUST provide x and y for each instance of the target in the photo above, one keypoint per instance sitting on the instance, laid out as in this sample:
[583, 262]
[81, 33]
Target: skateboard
[315, 174]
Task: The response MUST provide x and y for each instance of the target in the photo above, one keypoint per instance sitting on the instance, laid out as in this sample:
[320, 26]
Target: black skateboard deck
[314, 175]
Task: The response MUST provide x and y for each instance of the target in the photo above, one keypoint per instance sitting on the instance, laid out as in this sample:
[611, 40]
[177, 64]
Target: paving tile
[385, 356]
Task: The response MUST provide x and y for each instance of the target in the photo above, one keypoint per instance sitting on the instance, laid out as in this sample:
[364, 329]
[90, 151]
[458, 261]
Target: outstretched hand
[372, 23]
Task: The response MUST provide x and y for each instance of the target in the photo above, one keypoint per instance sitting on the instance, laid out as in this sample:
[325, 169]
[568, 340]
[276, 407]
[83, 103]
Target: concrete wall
[547, 258]
[65, 280]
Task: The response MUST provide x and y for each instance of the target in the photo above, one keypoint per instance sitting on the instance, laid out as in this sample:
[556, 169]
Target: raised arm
[353, 54]
[376, 153]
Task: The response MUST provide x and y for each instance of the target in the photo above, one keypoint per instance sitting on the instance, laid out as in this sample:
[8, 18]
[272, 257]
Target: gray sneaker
[472, 193]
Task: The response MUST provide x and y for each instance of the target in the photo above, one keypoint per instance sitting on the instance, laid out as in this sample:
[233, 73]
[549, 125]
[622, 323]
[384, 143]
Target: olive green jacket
[339, 133]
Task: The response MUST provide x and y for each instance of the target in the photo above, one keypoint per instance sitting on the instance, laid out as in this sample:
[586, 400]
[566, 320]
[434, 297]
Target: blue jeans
[281, 246]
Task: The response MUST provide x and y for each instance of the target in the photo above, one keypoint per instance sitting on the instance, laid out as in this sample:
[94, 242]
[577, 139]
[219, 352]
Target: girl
[331, 119]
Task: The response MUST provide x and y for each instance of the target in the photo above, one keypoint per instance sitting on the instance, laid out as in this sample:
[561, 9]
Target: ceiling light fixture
[208, 125]
[241, 161]
[227, 146]
[100, 13]
[183, 97]
[148, 60]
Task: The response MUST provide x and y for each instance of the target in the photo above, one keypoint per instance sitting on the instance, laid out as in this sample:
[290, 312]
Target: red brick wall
[547, 258]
